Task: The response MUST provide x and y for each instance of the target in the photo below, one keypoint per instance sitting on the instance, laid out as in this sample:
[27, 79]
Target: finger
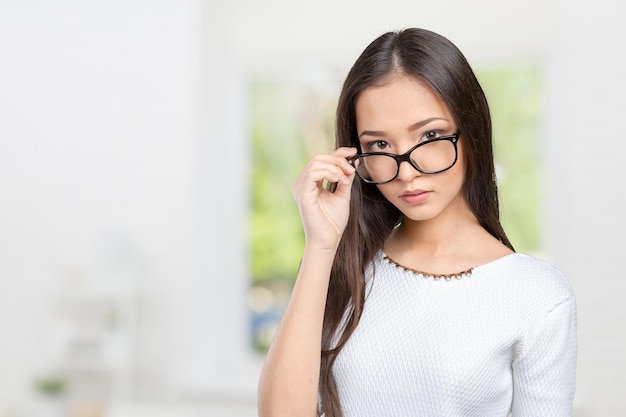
[331, 168]
[314, 177]
[325, 169]
[346, 177]
[346, 152]
[339, 157]
[345, 185]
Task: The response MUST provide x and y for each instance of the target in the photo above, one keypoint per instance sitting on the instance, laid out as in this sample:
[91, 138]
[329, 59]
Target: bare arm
[289, 381]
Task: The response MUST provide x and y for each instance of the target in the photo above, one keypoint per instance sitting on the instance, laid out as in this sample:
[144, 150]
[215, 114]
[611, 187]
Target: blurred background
[148, 237]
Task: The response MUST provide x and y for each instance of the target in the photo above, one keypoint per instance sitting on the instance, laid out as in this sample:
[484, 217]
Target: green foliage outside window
[290, 123]
[514, 97]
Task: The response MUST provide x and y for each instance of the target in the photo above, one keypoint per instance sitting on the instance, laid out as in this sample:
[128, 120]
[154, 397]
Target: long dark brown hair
[435, 61]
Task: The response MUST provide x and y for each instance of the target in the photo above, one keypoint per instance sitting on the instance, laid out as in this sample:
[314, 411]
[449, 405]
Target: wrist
[320, 251]
[321, 246]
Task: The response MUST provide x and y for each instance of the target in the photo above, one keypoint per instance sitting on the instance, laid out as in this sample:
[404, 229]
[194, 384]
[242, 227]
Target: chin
[419, 214]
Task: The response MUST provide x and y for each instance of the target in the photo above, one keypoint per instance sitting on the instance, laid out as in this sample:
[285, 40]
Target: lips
[415, 196]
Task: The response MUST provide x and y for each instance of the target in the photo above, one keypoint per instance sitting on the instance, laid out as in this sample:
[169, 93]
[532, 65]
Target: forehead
[401, 99]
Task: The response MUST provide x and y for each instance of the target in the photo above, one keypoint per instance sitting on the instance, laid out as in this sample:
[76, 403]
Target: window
[292, 119]
[514, 99]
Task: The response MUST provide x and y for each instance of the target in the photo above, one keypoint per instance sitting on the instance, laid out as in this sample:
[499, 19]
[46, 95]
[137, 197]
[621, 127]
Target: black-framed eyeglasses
[430, 157]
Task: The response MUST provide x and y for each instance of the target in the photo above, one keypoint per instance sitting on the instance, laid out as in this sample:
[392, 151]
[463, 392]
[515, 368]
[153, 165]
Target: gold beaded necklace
[447, 277]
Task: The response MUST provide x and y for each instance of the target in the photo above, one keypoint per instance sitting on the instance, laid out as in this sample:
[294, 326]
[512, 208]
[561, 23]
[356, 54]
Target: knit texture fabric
[498, 342]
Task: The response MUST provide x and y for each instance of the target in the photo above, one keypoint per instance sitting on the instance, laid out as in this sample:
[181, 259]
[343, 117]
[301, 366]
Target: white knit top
[500, 341]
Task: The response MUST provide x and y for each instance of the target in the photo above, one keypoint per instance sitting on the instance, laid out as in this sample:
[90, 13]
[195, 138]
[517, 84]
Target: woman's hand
[325, 214]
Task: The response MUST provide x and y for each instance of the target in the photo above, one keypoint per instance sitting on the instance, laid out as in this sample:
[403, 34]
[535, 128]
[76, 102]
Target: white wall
[110, 116]
[97, 139]
[585, 158]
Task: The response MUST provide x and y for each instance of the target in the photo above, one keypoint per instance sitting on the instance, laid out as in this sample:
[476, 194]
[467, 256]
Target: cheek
[460, 167]
[458, 173]
[385, 191]
[451, 182]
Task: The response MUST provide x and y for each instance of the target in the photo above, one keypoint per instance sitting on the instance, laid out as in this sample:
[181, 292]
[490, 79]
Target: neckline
[446, 277]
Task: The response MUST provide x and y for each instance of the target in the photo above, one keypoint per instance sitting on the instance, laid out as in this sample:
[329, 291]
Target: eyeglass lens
[431, 157]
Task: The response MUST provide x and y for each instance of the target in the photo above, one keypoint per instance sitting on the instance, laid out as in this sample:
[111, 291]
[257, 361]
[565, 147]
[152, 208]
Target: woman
[410, 300]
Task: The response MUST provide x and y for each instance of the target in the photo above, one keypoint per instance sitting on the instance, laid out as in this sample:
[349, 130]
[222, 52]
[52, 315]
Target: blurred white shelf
[93, 336]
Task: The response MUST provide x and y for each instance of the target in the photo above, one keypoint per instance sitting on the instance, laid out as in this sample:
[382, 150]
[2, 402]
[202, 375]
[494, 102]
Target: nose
[406, 172]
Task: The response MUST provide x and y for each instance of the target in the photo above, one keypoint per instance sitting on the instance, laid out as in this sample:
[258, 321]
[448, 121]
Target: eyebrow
[411, 128]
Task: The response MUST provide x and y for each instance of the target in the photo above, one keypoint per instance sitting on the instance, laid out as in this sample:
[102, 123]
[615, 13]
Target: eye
[430, 135]
[377, 146]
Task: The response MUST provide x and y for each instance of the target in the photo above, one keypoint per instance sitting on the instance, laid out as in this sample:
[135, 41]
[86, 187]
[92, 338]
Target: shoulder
[540, 274]
[536, 283]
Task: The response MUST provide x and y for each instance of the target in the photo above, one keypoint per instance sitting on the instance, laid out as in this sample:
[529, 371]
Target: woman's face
[393, 118]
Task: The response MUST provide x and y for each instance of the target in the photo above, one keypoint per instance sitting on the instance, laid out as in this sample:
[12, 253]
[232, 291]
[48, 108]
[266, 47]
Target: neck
[448, 233]
[450, 242]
